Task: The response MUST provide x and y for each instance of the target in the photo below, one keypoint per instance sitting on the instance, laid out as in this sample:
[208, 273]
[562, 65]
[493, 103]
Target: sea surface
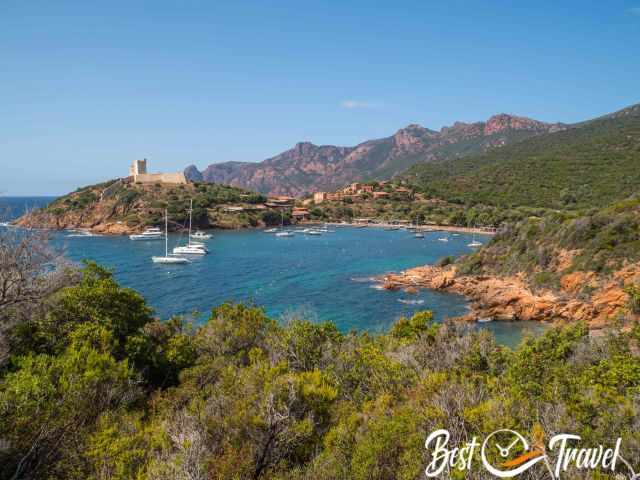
[326, 277]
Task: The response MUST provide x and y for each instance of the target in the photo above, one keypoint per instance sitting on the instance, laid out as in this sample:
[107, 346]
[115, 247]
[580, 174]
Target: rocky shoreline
[511, 298]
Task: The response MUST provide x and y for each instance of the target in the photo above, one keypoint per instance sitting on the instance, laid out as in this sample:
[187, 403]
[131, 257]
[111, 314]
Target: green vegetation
[634, 297]
[96, 388]
[423, 210]
[601, 241]
[590, 165]
[143, 205]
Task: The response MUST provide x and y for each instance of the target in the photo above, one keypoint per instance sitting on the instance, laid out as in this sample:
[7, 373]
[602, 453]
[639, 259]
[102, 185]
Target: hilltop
[120, 206]
[307, 167]
[590, 164]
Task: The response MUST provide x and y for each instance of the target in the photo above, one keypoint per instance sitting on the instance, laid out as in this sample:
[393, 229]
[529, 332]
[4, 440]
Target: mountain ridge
[589, 164]
[308, 167]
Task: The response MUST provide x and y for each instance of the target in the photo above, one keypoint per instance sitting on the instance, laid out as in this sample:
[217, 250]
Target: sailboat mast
[166, 234]
[190, 213]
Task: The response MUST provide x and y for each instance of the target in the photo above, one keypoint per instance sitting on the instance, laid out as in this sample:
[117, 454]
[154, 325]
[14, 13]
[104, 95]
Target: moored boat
[167, 258]
[151, 233]
[200, 235]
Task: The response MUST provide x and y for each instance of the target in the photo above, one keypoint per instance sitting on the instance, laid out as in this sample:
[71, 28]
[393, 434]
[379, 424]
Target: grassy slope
[592, 164]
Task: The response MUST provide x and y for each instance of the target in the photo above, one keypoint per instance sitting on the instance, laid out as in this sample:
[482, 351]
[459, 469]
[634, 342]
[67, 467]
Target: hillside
[119, 207]
[308, 167]
[560, 266]
[593, 163]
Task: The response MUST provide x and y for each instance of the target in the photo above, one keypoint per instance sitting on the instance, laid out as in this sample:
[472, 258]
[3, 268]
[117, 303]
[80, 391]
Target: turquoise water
[324, 277]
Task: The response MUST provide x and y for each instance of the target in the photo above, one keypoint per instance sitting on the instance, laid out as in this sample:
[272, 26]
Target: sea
[320, 278]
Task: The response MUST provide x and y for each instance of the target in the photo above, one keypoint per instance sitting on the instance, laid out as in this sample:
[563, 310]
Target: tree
[50, 403]
[30, 271]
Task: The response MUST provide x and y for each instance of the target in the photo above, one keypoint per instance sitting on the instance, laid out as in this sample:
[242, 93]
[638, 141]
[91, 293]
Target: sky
[87, 87]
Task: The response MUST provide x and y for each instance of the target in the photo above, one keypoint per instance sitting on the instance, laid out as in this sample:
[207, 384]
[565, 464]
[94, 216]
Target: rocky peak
[503, 121]
[302, 148]
[192, 174]
[412, 136]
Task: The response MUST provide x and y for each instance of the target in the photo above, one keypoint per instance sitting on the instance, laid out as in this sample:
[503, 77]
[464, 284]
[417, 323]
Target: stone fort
[138, 173]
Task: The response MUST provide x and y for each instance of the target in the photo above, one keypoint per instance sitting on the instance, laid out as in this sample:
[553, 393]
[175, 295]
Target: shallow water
[324, 277]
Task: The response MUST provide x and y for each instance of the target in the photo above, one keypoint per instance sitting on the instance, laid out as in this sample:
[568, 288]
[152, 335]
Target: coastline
[423, 228]
[511, 298]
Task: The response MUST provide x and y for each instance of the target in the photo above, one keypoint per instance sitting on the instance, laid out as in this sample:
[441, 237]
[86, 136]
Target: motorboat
[418, 235]
[200, 235]
[151, 233]
[285, 234]
[193, 249]
[173, 259]
[443, 239]
[81, 234]
[271, 230]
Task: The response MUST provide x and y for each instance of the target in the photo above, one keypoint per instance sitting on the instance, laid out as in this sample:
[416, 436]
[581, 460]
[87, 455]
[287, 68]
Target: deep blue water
[321, 278]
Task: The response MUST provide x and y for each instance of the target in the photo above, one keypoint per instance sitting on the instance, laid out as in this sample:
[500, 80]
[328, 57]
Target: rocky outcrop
[510, 298]
[307, 167]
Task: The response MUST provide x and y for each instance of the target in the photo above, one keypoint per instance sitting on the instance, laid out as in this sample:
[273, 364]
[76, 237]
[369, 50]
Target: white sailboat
[418, 233]
[194, 248]
[283, 232]
[167, 258]
[475, 243]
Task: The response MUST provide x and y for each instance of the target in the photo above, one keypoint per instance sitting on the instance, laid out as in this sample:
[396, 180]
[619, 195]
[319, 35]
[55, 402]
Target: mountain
[590, 164]
[307, 167]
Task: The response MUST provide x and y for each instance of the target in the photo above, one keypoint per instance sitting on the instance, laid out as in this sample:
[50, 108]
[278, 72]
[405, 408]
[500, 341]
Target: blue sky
[86, 87]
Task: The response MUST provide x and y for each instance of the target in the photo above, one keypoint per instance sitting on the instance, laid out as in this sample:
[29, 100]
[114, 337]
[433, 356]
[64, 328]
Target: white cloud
[635, 11]
[352, 104]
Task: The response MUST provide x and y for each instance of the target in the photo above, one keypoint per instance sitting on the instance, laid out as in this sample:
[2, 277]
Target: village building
[357, 189]
[377, 195]
[300, 214]
[138, 174]
[320, 197]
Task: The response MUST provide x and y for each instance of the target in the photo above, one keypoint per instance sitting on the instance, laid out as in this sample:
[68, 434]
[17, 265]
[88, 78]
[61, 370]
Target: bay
[320, 278]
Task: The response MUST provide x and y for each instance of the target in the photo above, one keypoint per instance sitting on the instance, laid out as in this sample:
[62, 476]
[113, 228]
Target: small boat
[314, 232]
[151, 233]
[4, 224]
[271, 230]
[81, 234]
[418, 235]
[193, 249]
[167, 258]
[455, 234]
[200, 235]
[443, 239]
[285, 234]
